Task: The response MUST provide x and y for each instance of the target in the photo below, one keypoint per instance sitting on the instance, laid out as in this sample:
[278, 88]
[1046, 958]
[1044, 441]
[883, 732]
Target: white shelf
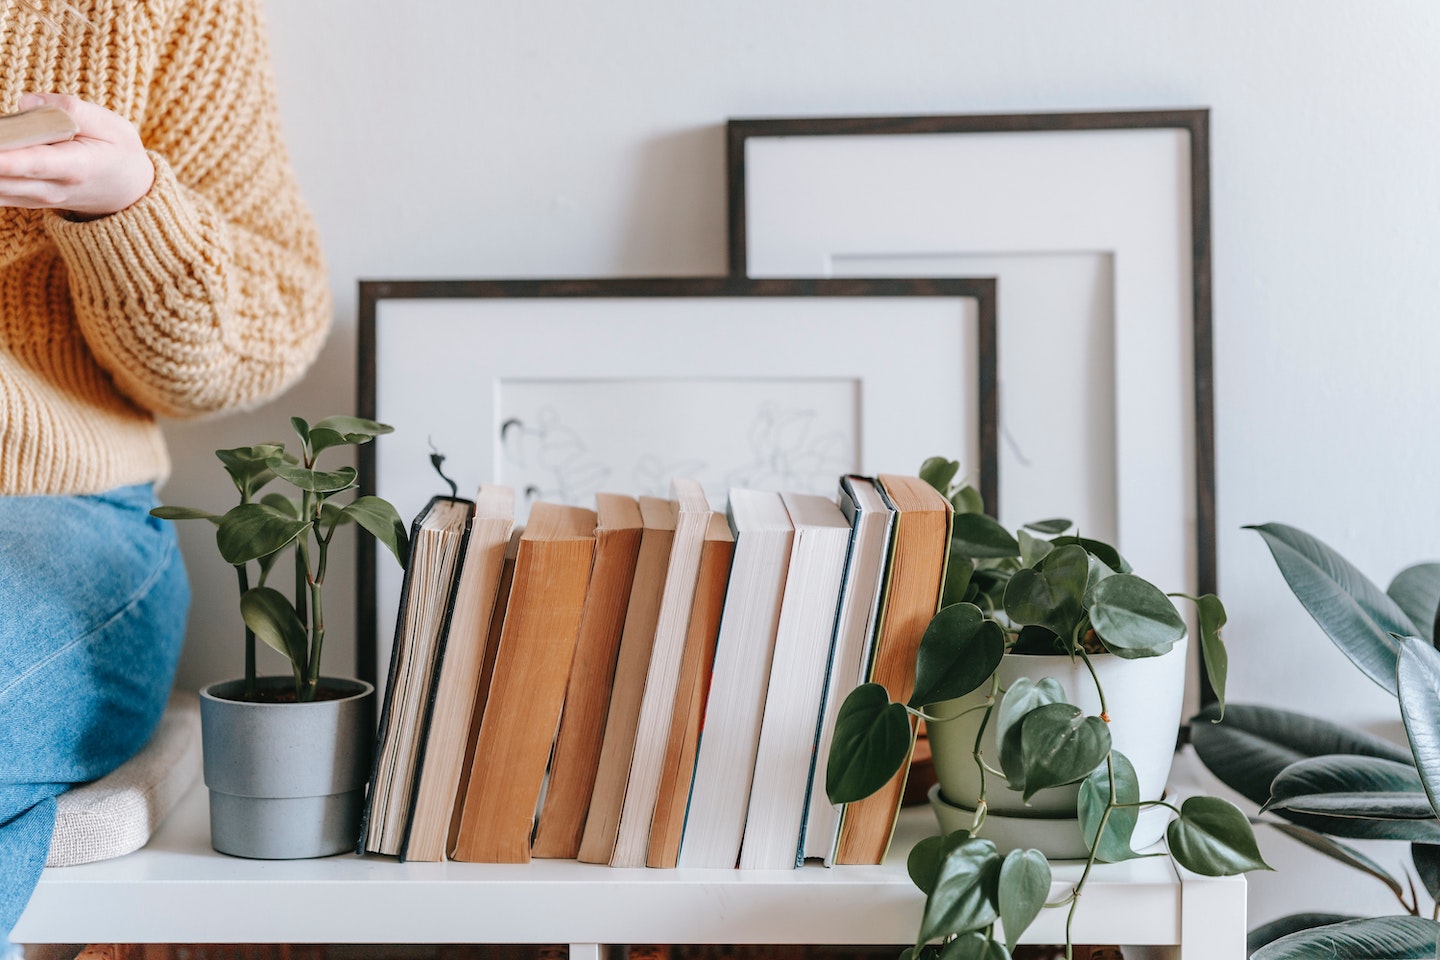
[178, 890]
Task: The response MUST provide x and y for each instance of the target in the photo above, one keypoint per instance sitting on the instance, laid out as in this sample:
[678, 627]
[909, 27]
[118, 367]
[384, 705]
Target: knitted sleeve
[209, 292]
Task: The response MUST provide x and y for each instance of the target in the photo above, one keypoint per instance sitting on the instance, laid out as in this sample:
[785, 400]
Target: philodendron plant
[1044, 590]
[259, 532]
[1322, 783]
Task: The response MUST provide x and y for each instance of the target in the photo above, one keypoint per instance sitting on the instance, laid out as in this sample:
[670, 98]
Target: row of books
[650, 683]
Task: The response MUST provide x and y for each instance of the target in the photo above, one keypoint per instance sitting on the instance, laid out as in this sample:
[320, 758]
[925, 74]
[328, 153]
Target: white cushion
[116, 814]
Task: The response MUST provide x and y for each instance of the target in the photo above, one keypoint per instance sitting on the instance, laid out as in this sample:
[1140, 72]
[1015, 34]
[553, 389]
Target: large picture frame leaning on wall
[560, 388]
[1097, 228]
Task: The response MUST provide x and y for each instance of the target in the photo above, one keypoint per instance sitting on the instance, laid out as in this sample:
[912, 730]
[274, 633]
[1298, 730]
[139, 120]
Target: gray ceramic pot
[286, 780]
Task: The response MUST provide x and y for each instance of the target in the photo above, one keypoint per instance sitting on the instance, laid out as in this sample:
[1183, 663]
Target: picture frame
[1095, 221]
[887, 372]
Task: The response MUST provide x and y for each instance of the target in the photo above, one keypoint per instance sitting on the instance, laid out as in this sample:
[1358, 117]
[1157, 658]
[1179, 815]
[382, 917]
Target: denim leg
[93, 598]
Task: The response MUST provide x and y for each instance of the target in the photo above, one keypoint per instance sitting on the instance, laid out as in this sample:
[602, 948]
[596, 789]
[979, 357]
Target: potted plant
[286, 758]
[1322, 783]
[1024, 681]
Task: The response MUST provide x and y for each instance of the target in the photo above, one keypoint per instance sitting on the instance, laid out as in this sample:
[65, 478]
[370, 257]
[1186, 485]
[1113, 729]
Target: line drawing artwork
[564, 441]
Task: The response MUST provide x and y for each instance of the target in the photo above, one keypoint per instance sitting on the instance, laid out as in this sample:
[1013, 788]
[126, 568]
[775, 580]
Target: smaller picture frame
[561, 388]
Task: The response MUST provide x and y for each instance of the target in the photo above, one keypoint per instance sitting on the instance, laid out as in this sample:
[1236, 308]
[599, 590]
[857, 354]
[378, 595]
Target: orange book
[587, 698]
[527, 689]
[602, 822]
[693, 686]
[914, 584]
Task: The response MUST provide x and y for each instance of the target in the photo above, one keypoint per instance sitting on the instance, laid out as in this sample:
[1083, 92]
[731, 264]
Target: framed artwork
[562, 388]
[1097, 228]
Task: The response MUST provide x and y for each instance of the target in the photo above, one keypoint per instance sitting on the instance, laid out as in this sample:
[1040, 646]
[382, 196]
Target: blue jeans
[93, 599]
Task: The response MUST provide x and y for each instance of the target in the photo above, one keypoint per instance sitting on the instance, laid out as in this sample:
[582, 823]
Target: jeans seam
[135, 598]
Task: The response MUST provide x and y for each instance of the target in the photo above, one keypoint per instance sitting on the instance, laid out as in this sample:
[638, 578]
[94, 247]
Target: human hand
[103, 170]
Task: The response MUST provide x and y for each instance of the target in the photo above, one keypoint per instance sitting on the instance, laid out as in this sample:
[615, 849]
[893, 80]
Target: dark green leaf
[1349, 786]
[283, 505]
[1024, 885]
[958, 652]
[1098, 571]
[1035, 641]
[965, 888]
[1059, 745]
[1294, 923]
[872, 740]
[272, 618]
[1212, 647]
[1133, 617]
[253, 530]
[249, 467]
[1426, 857]
[1211, 837]
[957, 580]
[1336, 850]
[973, 946]
[967, 500]
[1402, 813]
[1050, 595]
[344, 431]
[302, 429]
[1033, 549]
[184, 513]
[1094, 797]
[1050, 527]
[976, 535]
[382, 521]
[1416, 590]
[1104, 551]
[1419, 690]
[1023, 696]
[1372, 938]
[1352, 611]
[923, 862]
[939, 473]
[315, 481]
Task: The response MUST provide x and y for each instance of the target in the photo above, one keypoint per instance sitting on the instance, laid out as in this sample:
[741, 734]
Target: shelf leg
[1212, 917]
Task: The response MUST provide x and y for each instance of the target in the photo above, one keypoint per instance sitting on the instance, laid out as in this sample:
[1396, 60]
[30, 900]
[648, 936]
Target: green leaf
[1418, 681]
[923, 863]
[254, 530]
[249, 467]
[1050, 527]
[1348, 786]
[973, 946]
[976, 535]
[1295, 922]
[1372, 938]
[1024, 885]
[1033, 641]
[302, 429]
[1352, 611]
[1050, 595]
[382, 521]
[1337, 851]
[958, 652]
[1416, 590]
[1100, 549]
[283, 505]
[1211, 837]
[958, 572]
[1133, 617]
[939, 473]
[1094, 796]
[315, 481]
[344, 431]
[1033, 549]
[1059, 745]
[1023, 696]
[1212, 648]
[272, 618]
[1098, 571]
[184, 513]
[1426, 857]
[965, 888]
[872, 740]
[967, 500]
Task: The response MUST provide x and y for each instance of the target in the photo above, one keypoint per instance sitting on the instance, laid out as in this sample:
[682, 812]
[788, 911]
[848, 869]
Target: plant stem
[1089, 865]
[249, 690]
[929, 719]
[317, 630]
[978, 754]
[1104, 712]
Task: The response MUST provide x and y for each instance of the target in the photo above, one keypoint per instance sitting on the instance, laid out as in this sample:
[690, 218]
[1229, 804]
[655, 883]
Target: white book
[657, 706]
[725, 758]
[803, 640]
[873, 523]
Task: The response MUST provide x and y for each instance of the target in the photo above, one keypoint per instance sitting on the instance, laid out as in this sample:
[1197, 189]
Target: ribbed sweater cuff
[129, 256]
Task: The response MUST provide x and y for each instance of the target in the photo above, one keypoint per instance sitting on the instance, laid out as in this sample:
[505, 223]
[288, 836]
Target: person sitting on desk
[161, 263]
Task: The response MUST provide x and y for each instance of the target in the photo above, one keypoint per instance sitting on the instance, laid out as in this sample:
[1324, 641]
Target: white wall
[456, 138]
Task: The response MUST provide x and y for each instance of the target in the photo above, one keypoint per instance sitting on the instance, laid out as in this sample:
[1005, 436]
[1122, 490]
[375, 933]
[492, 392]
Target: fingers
[102, 170]
[93, 120]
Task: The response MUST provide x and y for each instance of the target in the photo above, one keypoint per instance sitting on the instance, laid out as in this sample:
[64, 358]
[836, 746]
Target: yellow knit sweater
[209, 293]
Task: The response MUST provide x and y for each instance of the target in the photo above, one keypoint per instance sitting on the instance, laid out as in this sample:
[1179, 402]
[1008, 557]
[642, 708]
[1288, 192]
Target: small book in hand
[30, 128]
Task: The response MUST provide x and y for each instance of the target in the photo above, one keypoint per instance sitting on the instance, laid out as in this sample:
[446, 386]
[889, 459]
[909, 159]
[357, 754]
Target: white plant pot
[1145, 698]
[286, 780]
